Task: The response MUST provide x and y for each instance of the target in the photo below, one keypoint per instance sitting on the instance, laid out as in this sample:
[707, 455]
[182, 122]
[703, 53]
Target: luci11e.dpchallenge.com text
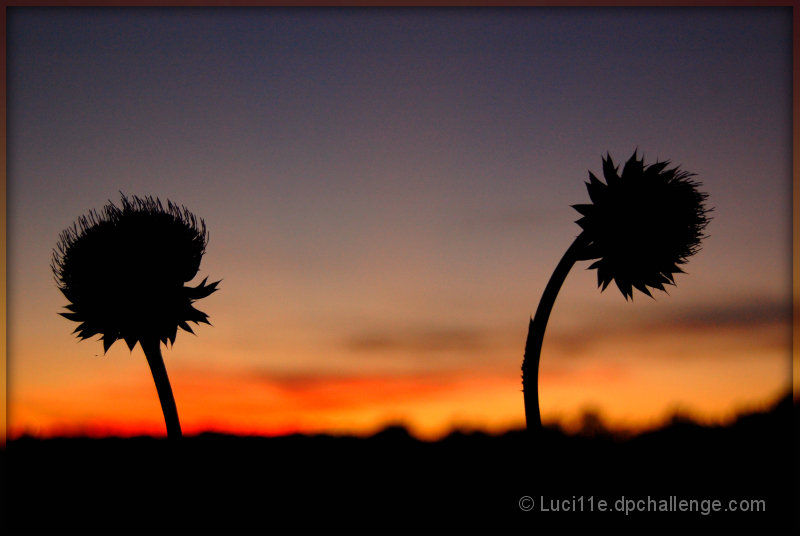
[628, 505]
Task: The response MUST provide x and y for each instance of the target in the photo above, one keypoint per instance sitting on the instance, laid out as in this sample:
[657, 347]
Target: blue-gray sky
[388, 190]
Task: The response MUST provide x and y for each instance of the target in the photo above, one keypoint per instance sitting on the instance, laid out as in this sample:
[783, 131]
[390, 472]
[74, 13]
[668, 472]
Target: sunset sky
[387, 193]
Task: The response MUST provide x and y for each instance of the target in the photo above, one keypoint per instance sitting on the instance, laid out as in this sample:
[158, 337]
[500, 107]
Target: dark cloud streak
[424, 340]
[753, 315]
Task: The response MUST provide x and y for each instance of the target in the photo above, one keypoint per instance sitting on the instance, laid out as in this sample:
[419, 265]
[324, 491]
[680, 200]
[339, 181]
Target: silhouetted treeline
[393, 481]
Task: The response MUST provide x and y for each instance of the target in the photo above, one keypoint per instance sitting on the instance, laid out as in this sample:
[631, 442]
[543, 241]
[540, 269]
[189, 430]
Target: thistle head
[642, 224]
[123, 271]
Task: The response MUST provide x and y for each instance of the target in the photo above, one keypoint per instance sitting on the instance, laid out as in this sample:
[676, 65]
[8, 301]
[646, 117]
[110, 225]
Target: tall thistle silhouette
[641, 226]
[123, 271]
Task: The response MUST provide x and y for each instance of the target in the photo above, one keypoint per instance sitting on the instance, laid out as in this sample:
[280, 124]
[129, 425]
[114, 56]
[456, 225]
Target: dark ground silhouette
[393, 481]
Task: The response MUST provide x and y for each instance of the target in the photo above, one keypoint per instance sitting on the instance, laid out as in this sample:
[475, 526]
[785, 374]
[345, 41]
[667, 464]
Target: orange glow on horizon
[430, 405]
[634, 378]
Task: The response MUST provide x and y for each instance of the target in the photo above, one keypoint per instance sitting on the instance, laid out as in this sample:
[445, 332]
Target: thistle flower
[123, 271]
[642, 225]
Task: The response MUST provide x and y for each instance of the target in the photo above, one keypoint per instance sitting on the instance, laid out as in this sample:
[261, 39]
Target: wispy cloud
[755, 321]
[752, 313]
[299, 382]
[425, 340]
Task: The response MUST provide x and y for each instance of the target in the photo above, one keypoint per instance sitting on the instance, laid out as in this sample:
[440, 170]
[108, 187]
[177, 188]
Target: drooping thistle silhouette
[641, 226]
[123, 271]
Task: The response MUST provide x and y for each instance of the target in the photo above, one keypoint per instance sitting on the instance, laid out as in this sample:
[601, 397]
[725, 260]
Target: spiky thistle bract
[123, 271]
[642, 224]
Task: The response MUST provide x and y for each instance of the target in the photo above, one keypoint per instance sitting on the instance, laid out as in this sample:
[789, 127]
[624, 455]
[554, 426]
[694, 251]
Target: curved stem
[152, 351]
[536, 328]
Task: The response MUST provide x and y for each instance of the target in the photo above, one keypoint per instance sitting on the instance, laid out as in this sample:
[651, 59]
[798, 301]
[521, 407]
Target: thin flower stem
[536, 329]
[152, 351]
